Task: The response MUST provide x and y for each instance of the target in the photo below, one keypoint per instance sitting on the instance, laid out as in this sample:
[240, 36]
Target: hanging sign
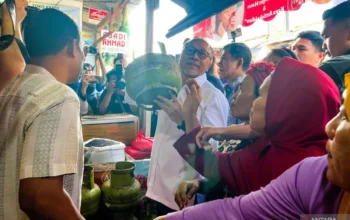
[95, 15]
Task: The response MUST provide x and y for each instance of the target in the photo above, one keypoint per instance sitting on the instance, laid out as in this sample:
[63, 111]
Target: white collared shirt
[167, 168]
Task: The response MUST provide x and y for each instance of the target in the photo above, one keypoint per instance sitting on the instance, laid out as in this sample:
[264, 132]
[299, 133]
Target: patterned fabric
[40, 136]
[231, 89]
[228, 146]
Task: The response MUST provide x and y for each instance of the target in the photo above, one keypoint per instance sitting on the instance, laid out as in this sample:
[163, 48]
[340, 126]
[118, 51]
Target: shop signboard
[115, 43]
[87, 38]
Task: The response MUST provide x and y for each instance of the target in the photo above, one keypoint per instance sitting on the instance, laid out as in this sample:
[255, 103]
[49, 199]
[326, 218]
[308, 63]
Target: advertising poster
[218, 25]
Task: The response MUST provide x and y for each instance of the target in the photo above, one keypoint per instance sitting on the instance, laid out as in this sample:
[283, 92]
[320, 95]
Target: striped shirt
[40, 136]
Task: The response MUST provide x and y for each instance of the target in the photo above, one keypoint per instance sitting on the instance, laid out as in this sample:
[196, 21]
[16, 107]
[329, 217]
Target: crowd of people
[271, 142]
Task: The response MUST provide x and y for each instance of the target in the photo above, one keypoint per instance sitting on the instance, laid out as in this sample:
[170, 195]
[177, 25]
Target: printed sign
[115, 43]
[95, 15]
[87, 38]
[73, 12]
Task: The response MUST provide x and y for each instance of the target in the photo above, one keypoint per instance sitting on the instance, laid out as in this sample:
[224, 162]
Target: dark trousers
[162, 209]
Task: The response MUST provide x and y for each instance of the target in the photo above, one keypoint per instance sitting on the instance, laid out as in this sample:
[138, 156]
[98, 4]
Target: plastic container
[100, 150]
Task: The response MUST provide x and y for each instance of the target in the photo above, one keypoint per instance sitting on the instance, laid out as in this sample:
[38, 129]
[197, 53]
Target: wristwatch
[182, 126]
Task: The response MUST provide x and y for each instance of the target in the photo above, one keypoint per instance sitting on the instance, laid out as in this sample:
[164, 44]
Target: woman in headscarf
[294, 106]
[243, 101]
[316, 185]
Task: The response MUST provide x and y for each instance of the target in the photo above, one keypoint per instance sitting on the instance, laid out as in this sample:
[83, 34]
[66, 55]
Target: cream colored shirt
[40, 136]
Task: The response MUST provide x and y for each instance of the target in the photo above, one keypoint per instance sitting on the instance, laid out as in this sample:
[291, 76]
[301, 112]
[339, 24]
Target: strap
[6, 41]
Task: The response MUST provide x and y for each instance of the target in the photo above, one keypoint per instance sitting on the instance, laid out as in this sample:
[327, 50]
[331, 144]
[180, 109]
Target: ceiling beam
[116, 9]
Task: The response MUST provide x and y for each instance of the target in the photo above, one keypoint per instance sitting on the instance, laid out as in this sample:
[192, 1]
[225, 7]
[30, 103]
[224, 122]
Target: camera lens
[121, 84]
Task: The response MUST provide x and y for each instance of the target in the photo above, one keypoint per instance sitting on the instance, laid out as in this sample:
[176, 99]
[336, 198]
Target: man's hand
[185, 192]
[121, 92]
[125, 63]
[193, 100]
[205, 134]
[111, 87]
[173, 108]
[85, 83]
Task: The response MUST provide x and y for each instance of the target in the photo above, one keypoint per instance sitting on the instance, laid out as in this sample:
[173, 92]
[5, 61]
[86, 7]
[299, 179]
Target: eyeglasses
[202, 54]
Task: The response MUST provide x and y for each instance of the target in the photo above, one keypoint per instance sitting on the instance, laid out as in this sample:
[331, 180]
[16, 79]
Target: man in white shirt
[167, 169]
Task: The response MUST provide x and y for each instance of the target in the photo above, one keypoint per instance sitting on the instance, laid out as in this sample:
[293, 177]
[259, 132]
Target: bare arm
[39, 199]
[105, 103]
[106, 97]
[11, 59]
[234, 132]
[102, 65]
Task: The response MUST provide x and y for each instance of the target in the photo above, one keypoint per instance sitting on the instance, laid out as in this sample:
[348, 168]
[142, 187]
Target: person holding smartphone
[88, 95]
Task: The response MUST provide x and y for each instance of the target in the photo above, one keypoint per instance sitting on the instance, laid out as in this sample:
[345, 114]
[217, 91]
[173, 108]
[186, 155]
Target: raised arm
[11, 60]
[106, 97]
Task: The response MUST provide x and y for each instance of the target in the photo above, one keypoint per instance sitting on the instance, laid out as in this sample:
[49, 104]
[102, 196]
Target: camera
[93, 50]
[120, 84]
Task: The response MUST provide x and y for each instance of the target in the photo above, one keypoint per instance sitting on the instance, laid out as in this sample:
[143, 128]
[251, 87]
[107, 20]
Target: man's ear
[73, 49]
[70, 49]
[240, 63]
[321, 56]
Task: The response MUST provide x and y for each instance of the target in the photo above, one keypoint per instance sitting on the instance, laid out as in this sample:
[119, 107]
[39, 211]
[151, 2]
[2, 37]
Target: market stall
[123, 129]
[120, 127]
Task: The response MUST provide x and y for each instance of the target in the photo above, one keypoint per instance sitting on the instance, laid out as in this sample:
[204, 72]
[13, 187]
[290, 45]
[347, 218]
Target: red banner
[267, 9]
[95, 15]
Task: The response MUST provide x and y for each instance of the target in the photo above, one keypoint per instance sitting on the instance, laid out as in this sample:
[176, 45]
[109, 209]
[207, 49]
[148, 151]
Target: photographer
[88, 95]
[11, 60]
[112, 98]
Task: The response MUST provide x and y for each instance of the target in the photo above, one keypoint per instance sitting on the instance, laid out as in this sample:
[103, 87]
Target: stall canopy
[199, 10]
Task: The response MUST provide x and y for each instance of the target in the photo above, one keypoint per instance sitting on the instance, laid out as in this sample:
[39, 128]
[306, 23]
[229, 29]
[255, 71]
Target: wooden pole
[151, 5]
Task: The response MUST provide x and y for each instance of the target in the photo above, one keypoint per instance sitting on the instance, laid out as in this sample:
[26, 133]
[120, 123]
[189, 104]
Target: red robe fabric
[301, 101]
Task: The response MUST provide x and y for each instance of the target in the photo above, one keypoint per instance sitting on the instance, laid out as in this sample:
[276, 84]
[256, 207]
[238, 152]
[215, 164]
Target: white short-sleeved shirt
[167, 168]
[40, 136]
